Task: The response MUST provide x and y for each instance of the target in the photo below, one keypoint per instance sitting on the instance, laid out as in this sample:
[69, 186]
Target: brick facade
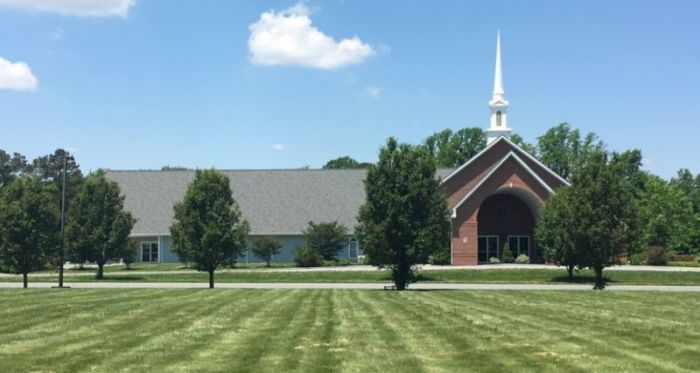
[477, 191]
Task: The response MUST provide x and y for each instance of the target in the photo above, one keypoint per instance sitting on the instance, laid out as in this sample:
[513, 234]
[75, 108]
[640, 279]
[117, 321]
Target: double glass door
[488, 248]
[149, 251]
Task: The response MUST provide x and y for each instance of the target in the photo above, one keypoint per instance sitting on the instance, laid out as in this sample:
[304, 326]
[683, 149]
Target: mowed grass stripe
[348, 330]
[192, 333]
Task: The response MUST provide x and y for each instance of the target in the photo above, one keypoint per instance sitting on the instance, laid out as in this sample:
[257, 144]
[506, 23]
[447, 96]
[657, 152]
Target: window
[498, 119]
[519, 245]
[488, 248]
[149, 251]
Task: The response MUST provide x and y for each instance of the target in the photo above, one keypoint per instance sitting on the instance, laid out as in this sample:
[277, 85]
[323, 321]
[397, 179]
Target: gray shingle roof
[275, 202]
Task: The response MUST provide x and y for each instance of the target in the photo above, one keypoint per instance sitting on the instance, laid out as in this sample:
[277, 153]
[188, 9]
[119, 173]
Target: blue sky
[144, 83]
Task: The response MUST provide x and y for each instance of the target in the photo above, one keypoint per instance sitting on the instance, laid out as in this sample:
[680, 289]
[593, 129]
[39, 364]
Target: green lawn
[347, 330]
[534, 276]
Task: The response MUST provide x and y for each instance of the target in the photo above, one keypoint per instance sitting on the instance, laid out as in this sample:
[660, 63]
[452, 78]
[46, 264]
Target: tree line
[33, 198]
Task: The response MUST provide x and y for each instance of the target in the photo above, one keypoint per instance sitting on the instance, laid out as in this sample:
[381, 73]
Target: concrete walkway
[357, 286]
[366, 268]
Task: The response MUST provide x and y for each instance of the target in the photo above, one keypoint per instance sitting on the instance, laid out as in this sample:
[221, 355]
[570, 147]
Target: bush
[265, 248]
[507, 255]
[494, 260]
[326, 238]
[638, 259]
[343, 262]
[657, 256]
[441, 257]
[307, 257]
[522, 259]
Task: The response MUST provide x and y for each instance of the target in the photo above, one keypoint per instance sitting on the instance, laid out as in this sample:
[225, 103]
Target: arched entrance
[508, 216]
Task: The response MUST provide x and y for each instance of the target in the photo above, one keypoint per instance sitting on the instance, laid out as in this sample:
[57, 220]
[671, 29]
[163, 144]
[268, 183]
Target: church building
[494, 198]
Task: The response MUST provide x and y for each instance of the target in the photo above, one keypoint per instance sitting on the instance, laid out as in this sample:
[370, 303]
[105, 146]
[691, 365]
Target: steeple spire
[498, 75]
[498, 104]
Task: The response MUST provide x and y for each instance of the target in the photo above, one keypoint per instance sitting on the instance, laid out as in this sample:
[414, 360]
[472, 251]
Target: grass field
[346, 330]
[534, 276]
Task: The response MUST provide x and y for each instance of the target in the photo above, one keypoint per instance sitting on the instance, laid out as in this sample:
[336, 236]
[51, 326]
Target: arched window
[498, 119]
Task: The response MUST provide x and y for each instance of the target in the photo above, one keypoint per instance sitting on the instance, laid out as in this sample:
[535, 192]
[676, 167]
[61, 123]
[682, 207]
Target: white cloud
[374, 92]
[16, 76]
[288, 38]
[278, 147]
[87, 8]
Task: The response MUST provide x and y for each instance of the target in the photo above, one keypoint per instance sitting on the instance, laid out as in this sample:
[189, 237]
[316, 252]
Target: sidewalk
[367, 268]
[356, 286]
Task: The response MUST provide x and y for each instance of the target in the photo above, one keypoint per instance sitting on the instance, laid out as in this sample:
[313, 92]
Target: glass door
[149, 251]
[488, 248]
[519, 245]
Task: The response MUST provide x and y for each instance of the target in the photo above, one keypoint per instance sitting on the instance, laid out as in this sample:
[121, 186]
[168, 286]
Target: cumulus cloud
[86, 8]
[373, 92]
[278, 147]
[288, 38]
[16, 76]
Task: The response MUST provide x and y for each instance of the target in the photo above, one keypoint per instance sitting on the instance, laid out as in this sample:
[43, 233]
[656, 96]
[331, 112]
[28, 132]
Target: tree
[519, 141]
[129, 254]
[266, 247]
[11, 166]
[665, 213]
[174, 168]
[553, 232]
[50, 169]
[326, 238]
[596, 217]
[404, 218]
[690, 186]
[28, 225]
[98, 228]
[344, 162]
[562, 149]
[452, 149]
[208, 229]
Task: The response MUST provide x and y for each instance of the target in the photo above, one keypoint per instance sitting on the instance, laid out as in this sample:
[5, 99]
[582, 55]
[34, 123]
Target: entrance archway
[508, 217]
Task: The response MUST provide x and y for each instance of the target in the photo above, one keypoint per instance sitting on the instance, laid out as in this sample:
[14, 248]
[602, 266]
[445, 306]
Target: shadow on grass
[121, 278]
[579, 280]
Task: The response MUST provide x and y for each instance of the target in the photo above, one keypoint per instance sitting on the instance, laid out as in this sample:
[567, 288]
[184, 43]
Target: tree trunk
[24, 279]
[570, 272]
[100, 271]
[599, 281]
[211, 279]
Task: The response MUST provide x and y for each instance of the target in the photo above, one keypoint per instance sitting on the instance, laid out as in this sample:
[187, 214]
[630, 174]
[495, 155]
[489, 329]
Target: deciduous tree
[98, 227]
[451, 149]
[326, 238]
[404, 218]
[266, 247]
[208, 229]
[28, 225]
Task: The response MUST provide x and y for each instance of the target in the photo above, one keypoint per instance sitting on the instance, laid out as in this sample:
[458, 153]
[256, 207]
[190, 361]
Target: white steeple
[498, 104]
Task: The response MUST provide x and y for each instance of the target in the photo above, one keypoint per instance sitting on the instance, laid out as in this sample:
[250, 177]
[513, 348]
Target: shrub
[657, 256]
[681, 257]
[507, 255]
[441, 257]
[343, 262]
[522, 259]
[326, 238]
[307, 257]
[638, 259]
[265, 248]
[494, 260]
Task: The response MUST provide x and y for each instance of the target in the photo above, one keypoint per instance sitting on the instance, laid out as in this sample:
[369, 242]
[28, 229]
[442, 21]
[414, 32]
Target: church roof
[275, 202]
